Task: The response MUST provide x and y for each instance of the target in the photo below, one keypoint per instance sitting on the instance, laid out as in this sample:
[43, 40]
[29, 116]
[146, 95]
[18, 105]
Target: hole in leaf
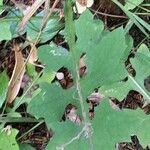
[70, 113]
[38, 67]
[146, 109]
[82, 66]
[60, 41]
[128, 65]
[133, 100]
[94, 100]
[125, 79]
[147, 83]
[132, 71]
[64, 77]
[133, 145]
[20, 92]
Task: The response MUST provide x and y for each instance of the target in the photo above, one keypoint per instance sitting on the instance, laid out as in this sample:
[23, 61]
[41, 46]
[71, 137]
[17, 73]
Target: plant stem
[70, 30]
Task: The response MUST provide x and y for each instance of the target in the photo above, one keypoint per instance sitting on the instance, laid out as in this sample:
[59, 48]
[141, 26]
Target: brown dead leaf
[30, 13]
[17, 75]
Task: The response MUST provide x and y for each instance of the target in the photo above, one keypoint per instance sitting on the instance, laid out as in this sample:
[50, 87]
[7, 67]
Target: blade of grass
[128, 26]
[139, 6]
[132, 17]
[30, 130]
[142, 22]
[145, 5]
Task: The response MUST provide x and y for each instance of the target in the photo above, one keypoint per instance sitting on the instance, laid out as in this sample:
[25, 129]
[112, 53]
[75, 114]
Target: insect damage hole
[134, 144]
[82, 65]
[147, 83]
[64, 78]
[133, 100]
[94, 99]
[70, 113]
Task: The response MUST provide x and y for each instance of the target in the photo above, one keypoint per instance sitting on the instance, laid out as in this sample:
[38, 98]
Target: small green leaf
[8, 141]
[5, 33]
[52, 27]
[3, 87]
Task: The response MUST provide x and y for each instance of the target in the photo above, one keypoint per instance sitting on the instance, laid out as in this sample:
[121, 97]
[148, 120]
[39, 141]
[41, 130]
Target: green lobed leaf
[105, 60]
[3, 87]
[8, 141]
[100, 54]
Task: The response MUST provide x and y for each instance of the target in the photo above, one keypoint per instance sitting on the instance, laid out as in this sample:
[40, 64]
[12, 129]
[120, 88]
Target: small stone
[59, 75]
